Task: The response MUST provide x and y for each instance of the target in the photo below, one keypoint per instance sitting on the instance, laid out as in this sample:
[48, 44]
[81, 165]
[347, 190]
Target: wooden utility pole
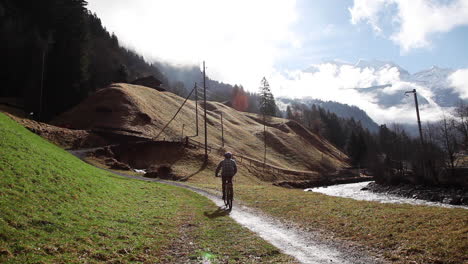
[417, 114]
[222, 130]
[204, 104]
[420, 129]
[196, 108]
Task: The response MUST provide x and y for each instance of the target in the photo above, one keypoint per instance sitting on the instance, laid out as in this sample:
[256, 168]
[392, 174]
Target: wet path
[306, 247]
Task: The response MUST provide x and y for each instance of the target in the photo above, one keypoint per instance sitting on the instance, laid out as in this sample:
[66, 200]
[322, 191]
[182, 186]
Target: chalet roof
[149, 81]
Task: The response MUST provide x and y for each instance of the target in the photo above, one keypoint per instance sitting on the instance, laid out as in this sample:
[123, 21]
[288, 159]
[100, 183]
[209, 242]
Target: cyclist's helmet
[228, 155]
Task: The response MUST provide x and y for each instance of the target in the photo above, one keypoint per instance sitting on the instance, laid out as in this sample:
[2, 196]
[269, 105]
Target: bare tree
[430, 133]
[399, 146]
[448, 139]
[461, 115]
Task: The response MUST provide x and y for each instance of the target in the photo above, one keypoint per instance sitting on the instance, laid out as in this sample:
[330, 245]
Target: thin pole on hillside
[196, 107]
[42, 85]
[183, 127]
[204, 104]
[50, 40]
[264, 140]
[222, 130]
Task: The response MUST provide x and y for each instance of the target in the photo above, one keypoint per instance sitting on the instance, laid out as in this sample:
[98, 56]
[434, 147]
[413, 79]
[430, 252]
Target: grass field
[402, 233]
[57, 209]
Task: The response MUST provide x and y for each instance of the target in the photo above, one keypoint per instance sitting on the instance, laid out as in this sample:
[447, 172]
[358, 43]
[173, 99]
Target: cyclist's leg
[231, 189]
[230, 192]
[223, 180]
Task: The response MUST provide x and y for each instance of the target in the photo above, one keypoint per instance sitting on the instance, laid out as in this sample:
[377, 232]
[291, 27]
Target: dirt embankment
[157, 159]
[128, 113]
[143, 112]
[63, 137]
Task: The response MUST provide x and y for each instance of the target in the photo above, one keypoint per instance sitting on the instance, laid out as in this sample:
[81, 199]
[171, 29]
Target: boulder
[116, 165]
[162, 172]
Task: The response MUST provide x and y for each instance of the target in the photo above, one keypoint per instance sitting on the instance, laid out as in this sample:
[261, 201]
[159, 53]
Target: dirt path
[306, 247]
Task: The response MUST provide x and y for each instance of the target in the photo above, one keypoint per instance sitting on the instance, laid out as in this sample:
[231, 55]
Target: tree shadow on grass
[220, 212]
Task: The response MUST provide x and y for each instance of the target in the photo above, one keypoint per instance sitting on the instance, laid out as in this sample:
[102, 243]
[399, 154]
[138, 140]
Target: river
[353, 191]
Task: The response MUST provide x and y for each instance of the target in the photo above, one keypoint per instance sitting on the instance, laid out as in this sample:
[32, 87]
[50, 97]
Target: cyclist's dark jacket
[228, 166]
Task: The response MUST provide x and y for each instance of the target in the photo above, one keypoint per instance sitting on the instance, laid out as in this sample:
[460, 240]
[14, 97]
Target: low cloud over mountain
[378, 87]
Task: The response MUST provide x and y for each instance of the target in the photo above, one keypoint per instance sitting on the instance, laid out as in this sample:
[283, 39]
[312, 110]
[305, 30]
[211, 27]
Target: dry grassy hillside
[146, 111]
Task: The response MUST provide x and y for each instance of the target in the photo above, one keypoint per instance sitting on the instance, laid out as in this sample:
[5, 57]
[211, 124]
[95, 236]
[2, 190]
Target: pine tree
[267, 104]
[267, 107]
[121, 74]
[356, 148]
[289, 114]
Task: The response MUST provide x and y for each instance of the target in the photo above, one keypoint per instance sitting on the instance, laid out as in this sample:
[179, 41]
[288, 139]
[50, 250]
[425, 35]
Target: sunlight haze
[243, 41]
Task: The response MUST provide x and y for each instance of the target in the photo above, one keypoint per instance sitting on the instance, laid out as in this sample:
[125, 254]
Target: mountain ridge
[341, 110]
[389, 82]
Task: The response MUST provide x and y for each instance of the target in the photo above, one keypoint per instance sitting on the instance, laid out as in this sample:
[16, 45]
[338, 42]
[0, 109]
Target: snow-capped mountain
[377, 65]
[378, 87]
[433, 85]
[437, 80]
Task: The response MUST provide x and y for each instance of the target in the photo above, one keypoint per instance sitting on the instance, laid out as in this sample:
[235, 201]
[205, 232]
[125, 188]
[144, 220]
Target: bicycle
[228, 195]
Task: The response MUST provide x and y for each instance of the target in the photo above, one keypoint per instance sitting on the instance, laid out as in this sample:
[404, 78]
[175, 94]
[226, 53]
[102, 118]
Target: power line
[178, 110]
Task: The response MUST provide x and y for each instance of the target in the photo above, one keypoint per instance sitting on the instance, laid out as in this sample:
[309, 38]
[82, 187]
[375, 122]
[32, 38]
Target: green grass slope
[57, 209]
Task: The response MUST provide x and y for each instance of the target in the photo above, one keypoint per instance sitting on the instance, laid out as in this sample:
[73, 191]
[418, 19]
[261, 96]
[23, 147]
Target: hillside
[341, 110]
[57, 209]
[145, 111]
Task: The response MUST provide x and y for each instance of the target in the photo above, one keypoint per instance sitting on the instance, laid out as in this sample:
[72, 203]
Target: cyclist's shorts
[227, 179]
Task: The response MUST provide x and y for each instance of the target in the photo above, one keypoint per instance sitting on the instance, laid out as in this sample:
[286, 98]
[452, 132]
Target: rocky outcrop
[116, 165]
[162, 172]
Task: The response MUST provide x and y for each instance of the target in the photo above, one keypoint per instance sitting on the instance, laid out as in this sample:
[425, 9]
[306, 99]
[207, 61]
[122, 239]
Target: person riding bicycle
[229, 169]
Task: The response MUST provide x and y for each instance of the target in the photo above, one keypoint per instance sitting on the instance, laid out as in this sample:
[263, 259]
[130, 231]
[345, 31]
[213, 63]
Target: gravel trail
[306, 247]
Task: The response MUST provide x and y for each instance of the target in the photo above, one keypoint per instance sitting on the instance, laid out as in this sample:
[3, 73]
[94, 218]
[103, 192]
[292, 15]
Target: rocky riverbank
[445, 195]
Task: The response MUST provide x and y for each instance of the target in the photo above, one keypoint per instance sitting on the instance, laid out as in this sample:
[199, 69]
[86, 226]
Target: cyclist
[229, 169]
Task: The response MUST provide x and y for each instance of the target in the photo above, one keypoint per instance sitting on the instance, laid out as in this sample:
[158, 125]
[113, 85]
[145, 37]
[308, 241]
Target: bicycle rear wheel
[225, 196]
[229, 196]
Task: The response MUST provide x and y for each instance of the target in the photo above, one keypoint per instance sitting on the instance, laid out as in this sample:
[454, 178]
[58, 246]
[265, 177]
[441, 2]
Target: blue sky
[328, 34]
[286, 35]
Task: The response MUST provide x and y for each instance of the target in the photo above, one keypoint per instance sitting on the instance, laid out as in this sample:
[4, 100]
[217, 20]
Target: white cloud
[459, 81]
[417, 19]
[336, 82]
[240, 40]
[367, 10]
[329, 30]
